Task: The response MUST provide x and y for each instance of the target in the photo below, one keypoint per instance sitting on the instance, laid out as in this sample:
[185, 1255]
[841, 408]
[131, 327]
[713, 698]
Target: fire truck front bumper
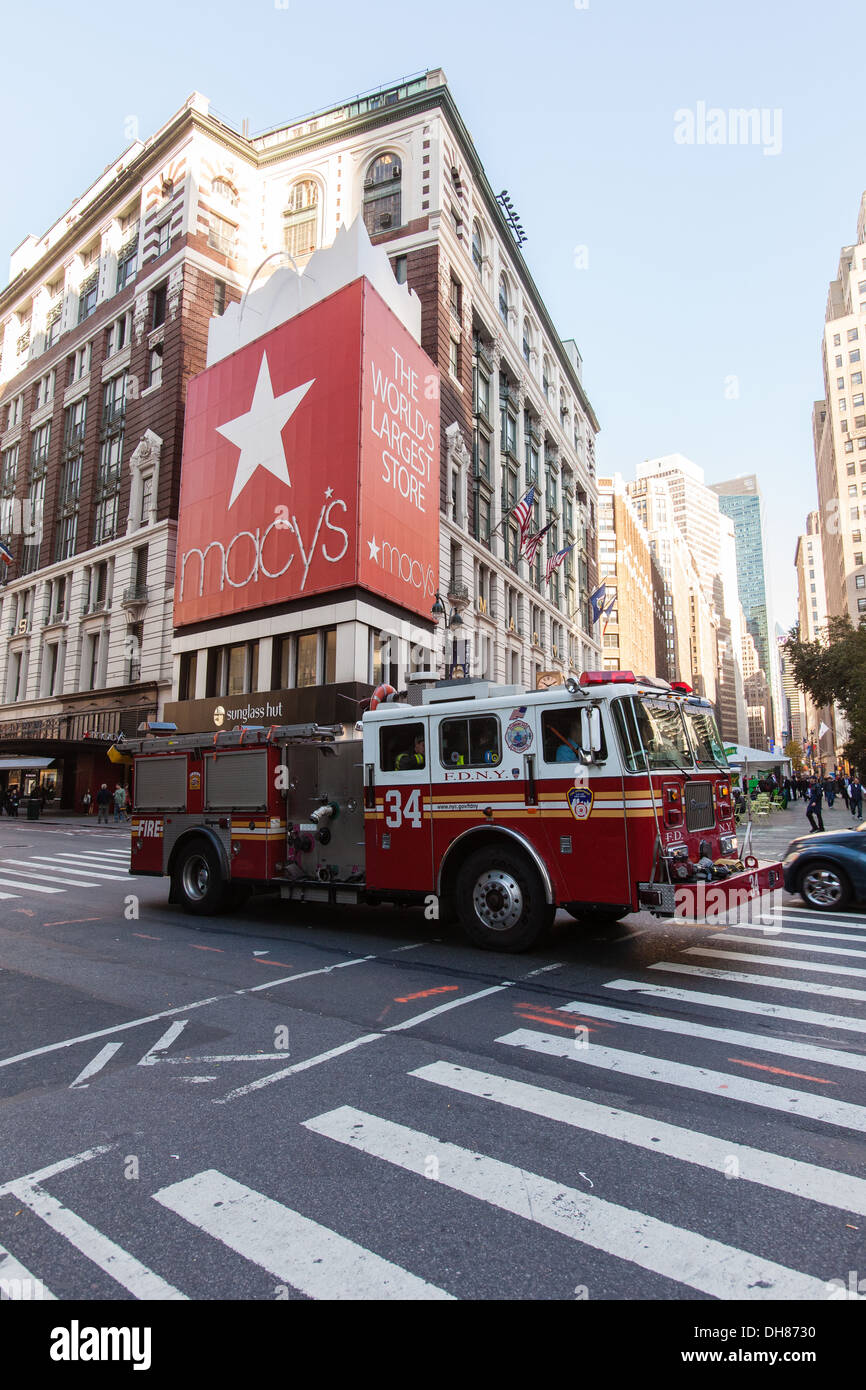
[742, 897]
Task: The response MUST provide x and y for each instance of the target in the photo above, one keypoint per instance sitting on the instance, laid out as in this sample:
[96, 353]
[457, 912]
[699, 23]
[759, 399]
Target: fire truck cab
[601, 796]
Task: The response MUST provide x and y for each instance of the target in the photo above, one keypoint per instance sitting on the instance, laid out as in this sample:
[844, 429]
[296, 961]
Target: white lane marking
[17, 1283]
[734, 1002]
[181, 1009]
[25, 883]
[104, 860]
[683, 1256]
[82, 872]
[820, 967]
[173, 1031]
[816, 1184]
[723, 1084]
[116, 1262]
[62, 1166]
[99, 1061]
[543, 969]
[759, 1042]
[772, 937]
[311, 1258]
[810, 912]
[6, 867]
[358, 1042]
[7, 896]
[766, 981]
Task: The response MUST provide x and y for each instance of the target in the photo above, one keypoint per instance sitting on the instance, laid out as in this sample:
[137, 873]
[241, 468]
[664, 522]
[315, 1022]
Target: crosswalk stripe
[7, 867]
[84, 872]
[729, 1002]
[96, 855]
[116, 1262]
[810, 912]
[313, 1259]
[772, 937]
[17, 1283]
[7, 896]
[766, 981]
[23, 883]
[759, 1042]
[820, 967]
[690, 1146]
[723, 1084]
[680, 1255]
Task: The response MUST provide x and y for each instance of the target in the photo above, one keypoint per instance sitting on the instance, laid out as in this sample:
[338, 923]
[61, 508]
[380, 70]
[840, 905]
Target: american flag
[522, 512]
[530, 545]
[554, 561]
[5, 553]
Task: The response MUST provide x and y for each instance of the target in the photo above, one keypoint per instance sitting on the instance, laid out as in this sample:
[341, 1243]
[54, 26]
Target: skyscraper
[839, 430]
[740, 500]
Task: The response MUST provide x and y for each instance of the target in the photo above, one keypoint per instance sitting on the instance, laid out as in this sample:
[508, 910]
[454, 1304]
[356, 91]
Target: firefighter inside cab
[602, 796]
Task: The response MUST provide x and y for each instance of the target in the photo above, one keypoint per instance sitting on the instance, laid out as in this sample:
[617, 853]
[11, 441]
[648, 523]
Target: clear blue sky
[705, 262]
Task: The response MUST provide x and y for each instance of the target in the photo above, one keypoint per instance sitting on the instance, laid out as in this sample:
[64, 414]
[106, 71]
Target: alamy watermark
[714, 125]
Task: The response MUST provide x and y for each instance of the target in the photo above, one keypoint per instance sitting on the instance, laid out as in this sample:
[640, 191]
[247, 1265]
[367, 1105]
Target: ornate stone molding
[175, 290]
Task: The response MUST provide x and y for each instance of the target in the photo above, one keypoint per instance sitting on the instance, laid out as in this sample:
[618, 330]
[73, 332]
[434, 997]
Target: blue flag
[598, 602]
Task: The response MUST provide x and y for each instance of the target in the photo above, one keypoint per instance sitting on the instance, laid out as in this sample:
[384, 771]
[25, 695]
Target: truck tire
[198, 880]
[500, 901]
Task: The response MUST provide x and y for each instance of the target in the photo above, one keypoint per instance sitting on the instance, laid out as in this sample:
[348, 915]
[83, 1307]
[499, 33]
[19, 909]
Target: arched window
[545, 378]
[301, 219]
[503, 299]
[223, 189]
[382, 194]
[527, 340]
[477, 246]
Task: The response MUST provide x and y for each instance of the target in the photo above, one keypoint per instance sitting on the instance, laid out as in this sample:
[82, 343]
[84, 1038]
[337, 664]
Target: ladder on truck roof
[234, 738]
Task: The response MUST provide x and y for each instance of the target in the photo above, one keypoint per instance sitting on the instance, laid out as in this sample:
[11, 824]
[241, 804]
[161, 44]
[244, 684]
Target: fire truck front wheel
[500, 901]
[198, 880]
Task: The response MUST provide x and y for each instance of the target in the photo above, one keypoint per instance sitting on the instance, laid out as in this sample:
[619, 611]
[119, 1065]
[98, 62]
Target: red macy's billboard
[311, 463]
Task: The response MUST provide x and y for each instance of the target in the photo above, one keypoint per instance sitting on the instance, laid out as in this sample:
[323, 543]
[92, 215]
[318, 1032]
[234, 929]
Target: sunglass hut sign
[311, 462]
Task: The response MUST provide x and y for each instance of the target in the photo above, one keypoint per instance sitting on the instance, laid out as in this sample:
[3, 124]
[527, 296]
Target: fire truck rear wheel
[199, 880]
[500, 901]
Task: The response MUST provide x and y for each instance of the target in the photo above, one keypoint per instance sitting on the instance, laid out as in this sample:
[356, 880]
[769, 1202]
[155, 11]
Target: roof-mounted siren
[157, 726]
[682, 687]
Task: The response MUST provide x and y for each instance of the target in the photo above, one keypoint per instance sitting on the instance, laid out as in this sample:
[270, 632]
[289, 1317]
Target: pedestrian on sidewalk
[842, 789]
[813, 806]
[103, 801]
[830, 791]
[87, 801]
[855, 792]
[119, 803]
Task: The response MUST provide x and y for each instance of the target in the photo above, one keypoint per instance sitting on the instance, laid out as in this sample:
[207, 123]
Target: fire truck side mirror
[590, 731]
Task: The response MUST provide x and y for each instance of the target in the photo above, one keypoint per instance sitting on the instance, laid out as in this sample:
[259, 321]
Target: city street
[356, 1104]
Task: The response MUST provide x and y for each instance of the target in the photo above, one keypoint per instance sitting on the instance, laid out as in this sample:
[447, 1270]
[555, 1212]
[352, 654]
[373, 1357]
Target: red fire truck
[602, 796]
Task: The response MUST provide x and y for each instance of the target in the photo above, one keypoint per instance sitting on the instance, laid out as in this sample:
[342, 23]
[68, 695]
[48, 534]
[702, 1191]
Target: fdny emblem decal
[580, 802]
[518, 736]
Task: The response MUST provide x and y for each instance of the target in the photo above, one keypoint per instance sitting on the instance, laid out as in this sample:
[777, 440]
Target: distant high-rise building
[839, 433]
[740, 500]
[634, 635]
[812, 620]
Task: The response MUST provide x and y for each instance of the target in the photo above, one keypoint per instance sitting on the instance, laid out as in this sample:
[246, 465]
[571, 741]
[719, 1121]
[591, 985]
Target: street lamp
[452, 622]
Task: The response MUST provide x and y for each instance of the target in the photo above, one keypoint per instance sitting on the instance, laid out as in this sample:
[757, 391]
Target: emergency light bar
[607, 678]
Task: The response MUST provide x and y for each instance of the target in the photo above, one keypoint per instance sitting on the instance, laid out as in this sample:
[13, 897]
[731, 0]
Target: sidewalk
[772, 834]
[59, 818]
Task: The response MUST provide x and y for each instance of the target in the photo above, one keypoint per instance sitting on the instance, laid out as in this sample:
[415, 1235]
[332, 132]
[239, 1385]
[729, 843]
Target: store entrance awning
[24, 764]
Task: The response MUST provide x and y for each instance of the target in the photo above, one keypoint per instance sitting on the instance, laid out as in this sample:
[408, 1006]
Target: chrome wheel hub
[822, 886]
[196, 877]
[498, 900]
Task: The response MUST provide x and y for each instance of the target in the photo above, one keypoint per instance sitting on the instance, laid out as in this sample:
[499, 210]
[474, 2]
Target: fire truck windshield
[708, 747]
[652, 729]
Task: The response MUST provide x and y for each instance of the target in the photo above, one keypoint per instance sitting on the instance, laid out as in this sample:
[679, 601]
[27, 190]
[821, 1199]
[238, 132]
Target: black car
[828, 870]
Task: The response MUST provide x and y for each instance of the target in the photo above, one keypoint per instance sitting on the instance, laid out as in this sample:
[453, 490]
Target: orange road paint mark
[425, 993]
[71, 920]
[554, 1022]
[218, 949]
[553, 1013]
[386, 1010]
[779, 1071]
[28, 912]
[144, 937]
[283, 964]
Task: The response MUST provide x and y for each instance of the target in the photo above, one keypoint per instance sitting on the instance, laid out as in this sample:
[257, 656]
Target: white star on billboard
[258, 433]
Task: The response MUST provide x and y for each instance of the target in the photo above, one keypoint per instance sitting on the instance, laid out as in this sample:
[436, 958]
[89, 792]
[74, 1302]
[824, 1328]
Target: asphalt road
[356, 1104]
